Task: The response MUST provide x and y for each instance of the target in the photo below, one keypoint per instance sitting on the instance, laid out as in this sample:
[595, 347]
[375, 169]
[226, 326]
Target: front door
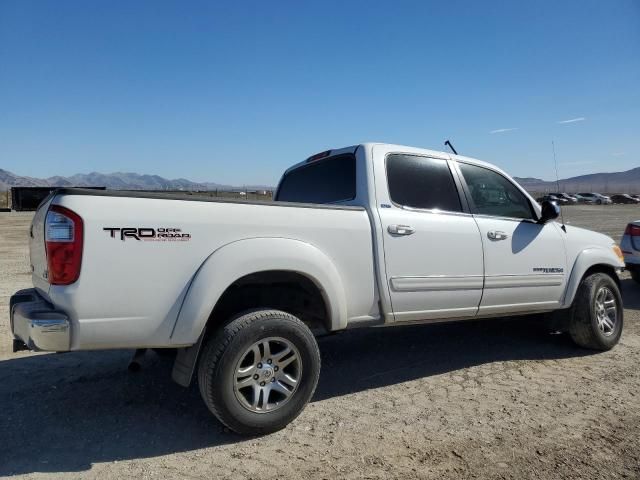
[525, 262]
[432, 246]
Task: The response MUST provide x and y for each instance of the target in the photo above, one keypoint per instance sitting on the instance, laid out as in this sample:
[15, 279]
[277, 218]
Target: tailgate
[37, 252]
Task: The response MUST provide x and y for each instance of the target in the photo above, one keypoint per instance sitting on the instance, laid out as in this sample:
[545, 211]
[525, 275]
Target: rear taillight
[63, 239]
[632, 230]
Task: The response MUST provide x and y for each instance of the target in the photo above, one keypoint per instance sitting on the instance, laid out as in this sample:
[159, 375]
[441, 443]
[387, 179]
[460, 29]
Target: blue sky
[235, 92]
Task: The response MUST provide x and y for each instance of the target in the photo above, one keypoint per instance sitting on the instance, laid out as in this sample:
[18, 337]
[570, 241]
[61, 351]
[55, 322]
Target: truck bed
[191, 197]
[137, 285]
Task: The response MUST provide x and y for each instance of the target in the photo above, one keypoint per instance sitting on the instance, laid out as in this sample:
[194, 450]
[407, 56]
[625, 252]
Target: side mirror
[550, 211]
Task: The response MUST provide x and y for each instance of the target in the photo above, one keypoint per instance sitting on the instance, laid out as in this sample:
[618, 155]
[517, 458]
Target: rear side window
[422, 182]
[324, 181]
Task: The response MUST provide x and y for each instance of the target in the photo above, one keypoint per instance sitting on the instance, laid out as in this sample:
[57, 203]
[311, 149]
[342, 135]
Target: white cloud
[573, 120]
[617, 154]
[502, 130]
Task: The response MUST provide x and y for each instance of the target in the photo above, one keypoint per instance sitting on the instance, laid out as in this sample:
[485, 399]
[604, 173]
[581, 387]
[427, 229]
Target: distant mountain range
[628, 181]
[116, 181]
[614, 182]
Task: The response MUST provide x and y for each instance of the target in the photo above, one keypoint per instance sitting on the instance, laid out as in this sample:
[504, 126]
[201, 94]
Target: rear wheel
[259, 371]
[596, 317]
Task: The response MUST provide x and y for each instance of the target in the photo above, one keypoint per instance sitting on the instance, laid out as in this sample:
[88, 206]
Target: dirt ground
[484, 399]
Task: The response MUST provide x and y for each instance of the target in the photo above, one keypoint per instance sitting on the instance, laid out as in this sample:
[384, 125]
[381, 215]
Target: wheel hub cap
[606, 310]
[267, 375]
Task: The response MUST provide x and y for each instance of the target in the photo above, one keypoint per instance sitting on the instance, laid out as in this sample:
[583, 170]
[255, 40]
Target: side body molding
[585, 260]
[243, 257]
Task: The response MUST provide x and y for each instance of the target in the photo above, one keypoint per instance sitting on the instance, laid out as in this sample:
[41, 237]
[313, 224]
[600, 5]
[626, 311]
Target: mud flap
[185, 363]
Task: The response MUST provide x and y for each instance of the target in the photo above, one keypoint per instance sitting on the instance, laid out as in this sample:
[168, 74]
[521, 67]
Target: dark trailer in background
[28, 198]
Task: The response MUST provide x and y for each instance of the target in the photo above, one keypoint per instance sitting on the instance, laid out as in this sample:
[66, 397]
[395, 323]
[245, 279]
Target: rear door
[525, 262]
[432, 245]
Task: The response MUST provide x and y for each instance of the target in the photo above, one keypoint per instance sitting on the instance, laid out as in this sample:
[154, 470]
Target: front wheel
[596, 317]
[259, 371]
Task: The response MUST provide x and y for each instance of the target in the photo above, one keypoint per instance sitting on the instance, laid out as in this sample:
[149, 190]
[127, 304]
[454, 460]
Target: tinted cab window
[330, 180]
[421, 182]
[492, 194]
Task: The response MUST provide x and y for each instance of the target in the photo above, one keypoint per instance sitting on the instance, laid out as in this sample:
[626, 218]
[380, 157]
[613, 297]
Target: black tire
[225, 350]
[583, 320]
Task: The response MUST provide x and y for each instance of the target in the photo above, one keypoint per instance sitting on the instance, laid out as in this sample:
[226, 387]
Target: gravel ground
[484, 399]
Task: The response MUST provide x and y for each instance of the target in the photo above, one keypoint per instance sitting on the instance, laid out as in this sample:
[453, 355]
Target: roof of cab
[400, 148]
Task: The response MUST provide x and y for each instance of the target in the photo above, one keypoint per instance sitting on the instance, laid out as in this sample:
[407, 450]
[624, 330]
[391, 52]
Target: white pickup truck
[369, 235]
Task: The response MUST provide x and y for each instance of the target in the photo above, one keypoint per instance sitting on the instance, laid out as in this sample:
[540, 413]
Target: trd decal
[148, 234]
[548, 270]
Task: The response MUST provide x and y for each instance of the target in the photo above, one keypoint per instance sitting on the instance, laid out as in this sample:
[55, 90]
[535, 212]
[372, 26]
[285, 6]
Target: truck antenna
[555, 163]
[448, 144]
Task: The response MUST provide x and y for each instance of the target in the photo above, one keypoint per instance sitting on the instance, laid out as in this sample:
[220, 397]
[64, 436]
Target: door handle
[497, 235]
[400, 229]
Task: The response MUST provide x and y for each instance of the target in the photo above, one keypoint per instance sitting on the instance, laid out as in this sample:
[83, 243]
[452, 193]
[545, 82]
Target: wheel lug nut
[259, 365]
[262, 384]
[269, 361]
[275, 369]
[256, 376]
[273, 379]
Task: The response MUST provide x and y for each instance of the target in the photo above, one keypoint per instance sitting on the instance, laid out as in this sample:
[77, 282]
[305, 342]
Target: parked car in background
[630, 246]
[552, 198]
[597, 198]
[624, 198]
[566, 196]
[583, 200]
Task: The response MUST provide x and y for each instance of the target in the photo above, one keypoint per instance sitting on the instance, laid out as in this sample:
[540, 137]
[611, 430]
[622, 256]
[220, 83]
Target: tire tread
[214, 350]
[580, 321]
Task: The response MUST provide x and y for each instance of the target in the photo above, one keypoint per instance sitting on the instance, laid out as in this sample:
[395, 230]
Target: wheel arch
[592, 260]
[236, 261]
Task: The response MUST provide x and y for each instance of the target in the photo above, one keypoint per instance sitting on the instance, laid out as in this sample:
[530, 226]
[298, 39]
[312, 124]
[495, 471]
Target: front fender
[238, 259]
[584, 261]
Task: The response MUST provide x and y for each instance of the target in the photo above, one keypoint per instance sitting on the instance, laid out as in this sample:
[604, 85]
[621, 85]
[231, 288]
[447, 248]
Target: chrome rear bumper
[37, 324]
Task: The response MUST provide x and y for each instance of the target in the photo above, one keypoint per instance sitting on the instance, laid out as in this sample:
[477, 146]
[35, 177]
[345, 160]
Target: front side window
[494, 195]
[422, 182]
[323, 181]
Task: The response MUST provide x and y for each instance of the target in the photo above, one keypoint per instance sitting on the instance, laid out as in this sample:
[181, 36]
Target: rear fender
[238, 259]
